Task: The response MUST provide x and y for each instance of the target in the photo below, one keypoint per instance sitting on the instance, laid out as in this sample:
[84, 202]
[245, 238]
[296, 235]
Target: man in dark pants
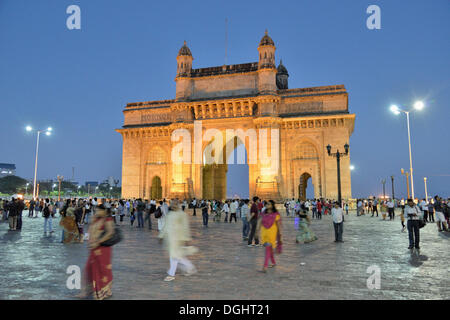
[412, 214]
[253, 221]
[31, 209]
[20, 207]
[338, 221]
[140, 213]
[194, 205]
[205, 214]
[374, 207]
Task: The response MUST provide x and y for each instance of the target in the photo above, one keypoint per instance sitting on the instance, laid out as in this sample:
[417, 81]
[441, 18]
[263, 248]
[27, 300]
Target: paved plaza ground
[33, 265]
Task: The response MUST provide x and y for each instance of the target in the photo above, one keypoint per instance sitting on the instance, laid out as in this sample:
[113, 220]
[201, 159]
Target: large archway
[238, 175]
[306, 171]
[234, 166]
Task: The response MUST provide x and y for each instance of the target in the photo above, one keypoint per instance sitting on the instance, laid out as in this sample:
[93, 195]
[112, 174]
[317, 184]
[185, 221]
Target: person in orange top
[270, 232]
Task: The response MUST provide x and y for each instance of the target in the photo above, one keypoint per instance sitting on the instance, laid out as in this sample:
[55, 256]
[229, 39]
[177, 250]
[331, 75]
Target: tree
[12, 184]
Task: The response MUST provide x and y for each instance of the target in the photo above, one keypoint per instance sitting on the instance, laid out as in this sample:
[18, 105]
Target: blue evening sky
[78, 81]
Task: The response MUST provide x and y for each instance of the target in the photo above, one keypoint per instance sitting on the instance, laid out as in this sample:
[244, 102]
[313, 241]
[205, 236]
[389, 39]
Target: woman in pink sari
[270, 225]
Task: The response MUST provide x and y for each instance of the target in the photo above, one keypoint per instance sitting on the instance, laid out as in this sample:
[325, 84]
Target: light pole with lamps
[392, 180]
[406, 174]
[383, 182]
[47, 132]
[60, 179]
[419, 105]
[338, 156]
[426, 192]
[26, 188]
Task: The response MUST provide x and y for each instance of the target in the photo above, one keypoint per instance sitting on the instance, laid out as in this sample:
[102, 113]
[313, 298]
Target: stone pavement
[33, 265]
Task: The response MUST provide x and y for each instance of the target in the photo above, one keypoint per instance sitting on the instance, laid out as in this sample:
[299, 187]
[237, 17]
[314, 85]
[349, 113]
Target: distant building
[91, 183]
[7, 169]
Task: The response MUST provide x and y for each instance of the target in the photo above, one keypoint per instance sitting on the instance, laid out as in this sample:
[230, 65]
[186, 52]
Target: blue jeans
[140, 219]
[48, 221]
[245, 227]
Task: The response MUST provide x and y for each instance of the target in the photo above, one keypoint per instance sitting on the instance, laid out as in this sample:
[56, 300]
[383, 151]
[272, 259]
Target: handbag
[115, 238]
[422, 223]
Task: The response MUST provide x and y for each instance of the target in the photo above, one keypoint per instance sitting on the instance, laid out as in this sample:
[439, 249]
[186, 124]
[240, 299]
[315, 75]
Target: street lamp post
[426, 192]
[26, 188]
[47, 132]
[338, 156]
[383, 182]
[396, 110]
[392, 180]
[60, 179]
[406, 174]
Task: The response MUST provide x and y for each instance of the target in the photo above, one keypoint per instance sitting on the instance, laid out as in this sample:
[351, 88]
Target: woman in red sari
[98, 270]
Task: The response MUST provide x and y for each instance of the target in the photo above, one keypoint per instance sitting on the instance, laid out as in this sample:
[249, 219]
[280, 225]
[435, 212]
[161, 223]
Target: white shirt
[225, 208]
[337, 215]
[390, 204]
[233, 207]
[424, 206]
[412, 210]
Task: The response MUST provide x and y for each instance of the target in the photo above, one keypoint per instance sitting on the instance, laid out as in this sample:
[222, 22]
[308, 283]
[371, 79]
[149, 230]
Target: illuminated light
[395, 109]
[419, 105]
[49, 129]
[29, 128]
[48, 133]
[352, 167]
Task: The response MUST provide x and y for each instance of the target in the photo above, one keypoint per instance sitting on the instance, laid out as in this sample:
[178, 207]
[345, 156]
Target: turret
[282, 76]
[184, 68]
[266, 66]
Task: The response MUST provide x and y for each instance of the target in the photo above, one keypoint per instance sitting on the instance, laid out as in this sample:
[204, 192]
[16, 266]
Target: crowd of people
[261, 224]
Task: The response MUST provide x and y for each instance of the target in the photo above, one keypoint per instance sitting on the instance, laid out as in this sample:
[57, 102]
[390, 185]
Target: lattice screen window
[157, 155]
[305, 151]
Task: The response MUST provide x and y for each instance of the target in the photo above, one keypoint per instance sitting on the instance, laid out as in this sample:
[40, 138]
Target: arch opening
[156, 188]
[229, 178]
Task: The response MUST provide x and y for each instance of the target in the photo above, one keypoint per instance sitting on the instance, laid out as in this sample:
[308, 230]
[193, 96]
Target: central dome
[185, 51]
[266, 40]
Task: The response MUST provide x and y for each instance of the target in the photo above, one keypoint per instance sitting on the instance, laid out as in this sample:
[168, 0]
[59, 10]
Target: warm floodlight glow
[29, 128]
[395, 109]
[419, 105]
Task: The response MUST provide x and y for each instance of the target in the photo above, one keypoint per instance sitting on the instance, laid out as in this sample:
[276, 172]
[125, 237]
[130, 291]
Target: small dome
[281, 68]
[185, 51]
[266, 40]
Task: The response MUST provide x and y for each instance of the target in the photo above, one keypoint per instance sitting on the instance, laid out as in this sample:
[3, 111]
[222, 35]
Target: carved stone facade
[245, 96]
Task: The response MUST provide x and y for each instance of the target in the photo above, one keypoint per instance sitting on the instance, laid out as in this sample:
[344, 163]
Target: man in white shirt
[291, 206]
[390, 206]
[359, 208]
[413, 214]
[424, 207]
[233, 208]
[226, 210]
[338, 221]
